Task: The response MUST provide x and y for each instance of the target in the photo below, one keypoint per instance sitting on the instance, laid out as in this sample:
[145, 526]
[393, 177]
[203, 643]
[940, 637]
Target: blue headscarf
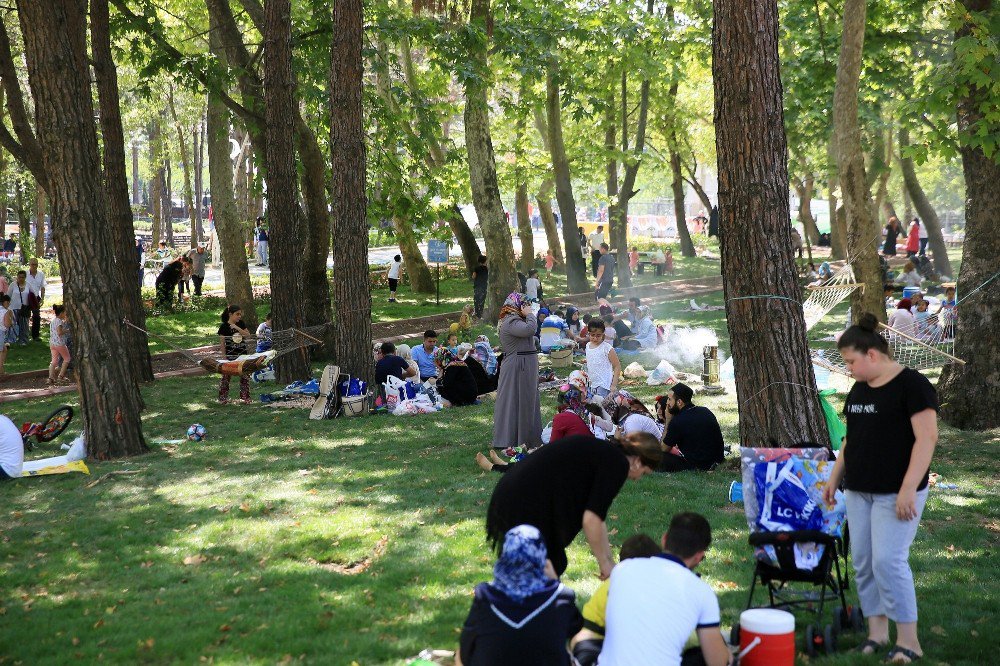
[520, 571]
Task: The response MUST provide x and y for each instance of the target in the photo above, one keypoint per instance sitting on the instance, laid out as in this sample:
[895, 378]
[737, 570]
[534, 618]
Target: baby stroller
[798, 540]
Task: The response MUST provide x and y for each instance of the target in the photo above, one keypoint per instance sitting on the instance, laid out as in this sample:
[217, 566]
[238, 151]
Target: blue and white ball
[196, 432]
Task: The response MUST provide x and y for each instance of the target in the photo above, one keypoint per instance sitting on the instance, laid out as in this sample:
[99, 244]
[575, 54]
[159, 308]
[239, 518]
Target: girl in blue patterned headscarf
[520, 571]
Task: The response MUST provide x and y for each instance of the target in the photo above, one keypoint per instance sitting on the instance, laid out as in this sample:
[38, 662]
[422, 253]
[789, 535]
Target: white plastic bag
[664, 373]
[635, 371]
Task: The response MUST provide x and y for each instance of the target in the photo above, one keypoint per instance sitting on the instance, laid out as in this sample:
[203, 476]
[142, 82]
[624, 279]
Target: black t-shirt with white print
[879, 432]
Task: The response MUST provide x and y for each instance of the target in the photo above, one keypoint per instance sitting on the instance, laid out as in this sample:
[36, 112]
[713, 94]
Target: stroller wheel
[811, 640]
[857, 618]
[829, 639]
[840, 620]
[734, 634]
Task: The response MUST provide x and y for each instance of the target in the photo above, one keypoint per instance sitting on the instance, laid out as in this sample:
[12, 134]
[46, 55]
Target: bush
[48, 266]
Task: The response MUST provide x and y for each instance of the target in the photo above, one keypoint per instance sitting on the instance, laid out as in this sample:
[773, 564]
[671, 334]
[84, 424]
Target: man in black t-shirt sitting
[693, 431]
[390, 364]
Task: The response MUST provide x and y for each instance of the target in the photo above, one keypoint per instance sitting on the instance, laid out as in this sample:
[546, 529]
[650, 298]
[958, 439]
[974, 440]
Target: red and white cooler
[770, 636]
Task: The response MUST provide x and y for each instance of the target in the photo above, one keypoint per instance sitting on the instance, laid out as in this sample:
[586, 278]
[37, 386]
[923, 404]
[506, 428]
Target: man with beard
[692, 438]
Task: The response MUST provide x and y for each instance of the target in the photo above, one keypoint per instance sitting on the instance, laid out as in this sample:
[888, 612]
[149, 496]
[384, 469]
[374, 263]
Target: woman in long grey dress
[517, 417]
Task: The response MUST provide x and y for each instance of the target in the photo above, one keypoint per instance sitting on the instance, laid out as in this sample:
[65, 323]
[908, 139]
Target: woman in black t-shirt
[567, 486]
[233, 335]
[891, 434]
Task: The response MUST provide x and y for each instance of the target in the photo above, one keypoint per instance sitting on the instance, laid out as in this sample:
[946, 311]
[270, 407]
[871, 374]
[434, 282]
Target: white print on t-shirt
[861, 409]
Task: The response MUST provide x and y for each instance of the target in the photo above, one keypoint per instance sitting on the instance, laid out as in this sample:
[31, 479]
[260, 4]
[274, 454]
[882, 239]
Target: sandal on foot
[874, 646]
[898, 651]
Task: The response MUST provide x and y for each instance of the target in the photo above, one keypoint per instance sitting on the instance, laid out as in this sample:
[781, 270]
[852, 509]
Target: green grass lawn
[359, 540]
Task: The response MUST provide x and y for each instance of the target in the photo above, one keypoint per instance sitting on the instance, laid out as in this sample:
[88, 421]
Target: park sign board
[437, 251]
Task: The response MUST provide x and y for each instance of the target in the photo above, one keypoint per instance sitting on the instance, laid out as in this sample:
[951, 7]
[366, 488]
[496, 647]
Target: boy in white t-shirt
[654, 603]
[603, 366]
[532, 286]
[393, 276]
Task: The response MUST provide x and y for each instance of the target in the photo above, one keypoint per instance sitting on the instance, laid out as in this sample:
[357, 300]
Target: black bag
[25, 309]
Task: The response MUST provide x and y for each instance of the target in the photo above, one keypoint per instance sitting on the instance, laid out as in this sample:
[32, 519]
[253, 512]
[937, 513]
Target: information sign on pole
[437, 253]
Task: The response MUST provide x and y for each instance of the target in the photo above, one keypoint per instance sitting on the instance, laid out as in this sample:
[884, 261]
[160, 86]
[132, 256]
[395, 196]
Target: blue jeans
[880, 548]
[923, 246]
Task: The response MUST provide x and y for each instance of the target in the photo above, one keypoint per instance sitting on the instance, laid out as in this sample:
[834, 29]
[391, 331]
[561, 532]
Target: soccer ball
[196, 432]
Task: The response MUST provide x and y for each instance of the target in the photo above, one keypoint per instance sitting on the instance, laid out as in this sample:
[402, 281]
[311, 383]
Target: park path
[31, 385]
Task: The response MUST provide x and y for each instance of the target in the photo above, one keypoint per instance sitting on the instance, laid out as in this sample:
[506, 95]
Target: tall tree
[116, 189]
[576, 266]
[282, 208]
[55, 37]
[544, 196]
[351, 283]
[979, 131]
[862, 229]
[482, 163]
[187, 187]
[928, 216]
[774, 380]
[221, 176]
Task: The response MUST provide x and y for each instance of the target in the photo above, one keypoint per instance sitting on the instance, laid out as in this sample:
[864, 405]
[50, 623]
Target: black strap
[527, 353]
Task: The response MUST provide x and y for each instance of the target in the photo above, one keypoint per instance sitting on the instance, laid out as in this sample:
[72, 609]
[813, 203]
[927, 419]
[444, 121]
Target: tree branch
[26, 148]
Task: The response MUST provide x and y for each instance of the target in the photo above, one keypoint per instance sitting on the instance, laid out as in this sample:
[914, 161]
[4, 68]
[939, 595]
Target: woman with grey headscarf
[517, 417]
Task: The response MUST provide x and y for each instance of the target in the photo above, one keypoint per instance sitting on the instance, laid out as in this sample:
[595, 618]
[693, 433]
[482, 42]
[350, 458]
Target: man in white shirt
[393, 275]
[595, 239]
[11, 450]
[35, 281]
[654, 603]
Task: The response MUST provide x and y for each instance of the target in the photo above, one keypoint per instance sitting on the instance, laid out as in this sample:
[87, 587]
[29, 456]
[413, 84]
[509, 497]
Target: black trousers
[595, 256]
[36, 321]
[672, 463]
[198, 280]
[479, 301]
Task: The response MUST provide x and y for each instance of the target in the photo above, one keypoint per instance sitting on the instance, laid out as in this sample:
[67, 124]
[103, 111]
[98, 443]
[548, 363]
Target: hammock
[280, 343]
[828, 295]
[925, 350]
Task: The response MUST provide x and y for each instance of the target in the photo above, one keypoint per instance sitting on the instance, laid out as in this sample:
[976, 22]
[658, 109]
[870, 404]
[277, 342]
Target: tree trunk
[838, 220]
[55, 40]
[168, 200]
[351, 283]
[805, 189]
[156, 181]
[466, 239]
[774, 381]
[316, 284]
[862, 229]
[185, 167]
[39, 221]
[221, 178]
[680, 214]
[970, 393]
[23, 223]
[482, 167]
[700, 191]
[576, 266]
[928, 216]
[421, 280]
[544, 201]
[285, 227]
[907, 206]
[122, 230]
[524, 227]
[199, 170]
[136, 200]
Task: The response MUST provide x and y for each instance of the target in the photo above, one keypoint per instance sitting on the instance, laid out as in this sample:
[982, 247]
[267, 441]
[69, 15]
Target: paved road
[376, 255]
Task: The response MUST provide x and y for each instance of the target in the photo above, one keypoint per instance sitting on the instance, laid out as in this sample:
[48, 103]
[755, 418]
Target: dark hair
[600, 228]
[228, 311]
[430, 333]
[605, 246]
[4, 298]
[587, 318]
[533, 271]
[58, 309]
[387, 348]
[645, 446]
[864, 335]
[397, 258]
[608, 319]
[267, 316]
[596, 325]
[689, 533]
[682, 392]
[22, 272]
[888, 287]
[638, 545]
[482, 259]
[636, 300]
